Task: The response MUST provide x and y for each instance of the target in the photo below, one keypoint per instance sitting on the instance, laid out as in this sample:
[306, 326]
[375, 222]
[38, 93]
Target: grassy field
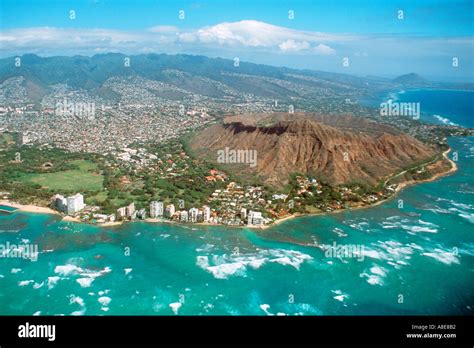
[84, 178]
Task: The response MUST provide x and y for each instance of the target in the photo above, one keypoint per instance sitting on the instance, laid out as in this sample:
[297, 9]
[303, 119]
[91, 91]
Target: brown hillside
[338, 148]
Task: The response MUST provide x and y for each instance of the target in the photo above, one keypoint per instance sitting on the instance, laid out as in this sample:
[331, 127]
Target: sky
[361, 37]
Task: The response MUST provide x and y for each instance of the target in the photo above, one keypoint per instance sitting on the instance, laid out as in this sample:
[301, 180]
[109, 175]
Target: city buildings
[206, 213]
[255, 218]
[60, 203]
[193, 215]
[156, 209]
[183, 216]
[131, 210]
[170, 210]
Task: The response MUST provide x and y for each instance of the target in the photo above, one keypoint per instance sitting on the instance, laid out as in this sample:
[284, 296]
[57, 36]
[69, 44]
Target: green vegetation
[43, 172]
[84, 178]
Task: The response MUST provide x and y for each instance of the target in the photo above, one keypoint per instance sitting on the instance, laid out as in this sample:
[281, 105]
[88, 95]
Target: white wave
[438, 209]
[202, 261]
[372, 279]
[76, 299]
[175, 306]
[25, 282]
[223, 266]
[410, 226]
[445, 120]
[127, 270]
[227, 269]
[468, 217]
[264, 307]
[462, 205]
[52, 281]
[378, 271]
[68, 269]
[376, 275]
[85, 282]
[444, 256]
[373, 254]
[295, 262]
[339, 232]
[361, 226]
[95, 274]
[205, 248]
[37, 313]
[78, 313]
[340, 296]
[38, 285]
[104, 301]
[87, 275]
[305, 309]
[15, 270]
[255, 264]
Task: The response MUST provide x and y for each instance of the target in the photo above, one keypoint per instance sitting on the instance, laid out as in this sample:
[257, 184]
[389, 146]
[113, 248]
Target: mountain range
[210, 77]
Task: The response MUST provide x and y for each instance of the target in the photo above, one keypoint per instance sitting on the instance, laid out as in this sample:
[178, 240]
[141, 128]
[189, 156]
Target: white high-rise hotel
[75, 204]
[206, 213]
[156, 209]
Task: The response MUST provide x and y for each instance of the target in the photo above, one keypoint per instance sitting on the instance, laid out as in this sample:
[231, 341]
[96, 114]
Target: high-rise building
[60, 203]
[75, 204]
[193, 214]
[156, 209]
[170, 210]
[200, 216]
[183, 216]
[206, 213]
[255, 218]
[131, 210]
[141, 214]
[121, 212]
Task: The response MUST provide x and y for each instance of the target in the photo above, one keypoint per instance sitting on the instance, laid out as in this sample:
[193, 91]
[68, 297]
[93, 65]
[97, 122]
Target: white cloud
[246, 34]
[292, 45]
[251, 33]
[251, 40]
[164, 29]
[324, 50]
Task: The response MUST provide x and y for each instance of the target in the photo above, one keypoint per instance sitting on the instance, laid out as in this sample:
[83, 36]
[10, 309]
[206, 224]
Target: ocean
[413, 254]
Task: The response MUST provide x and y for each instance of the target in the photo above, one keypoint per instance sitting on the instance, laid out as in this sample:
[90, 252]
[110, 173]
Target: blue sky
[322, 33]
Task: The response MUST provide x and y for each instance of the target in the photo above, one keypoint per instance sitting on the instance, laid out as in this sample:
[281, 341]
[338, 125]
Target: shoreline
[44, 210]
[401, 186]
[30, 208]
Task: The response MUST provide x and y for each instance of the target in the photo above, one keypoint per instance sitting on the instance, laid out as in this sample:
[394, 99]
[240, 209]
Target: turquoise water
[7, 208]
[452, 107]
[418, 259]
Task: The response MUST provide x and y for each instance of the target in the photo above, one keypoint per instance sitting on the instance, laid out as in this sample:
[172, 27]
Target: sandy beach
[30, 208]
